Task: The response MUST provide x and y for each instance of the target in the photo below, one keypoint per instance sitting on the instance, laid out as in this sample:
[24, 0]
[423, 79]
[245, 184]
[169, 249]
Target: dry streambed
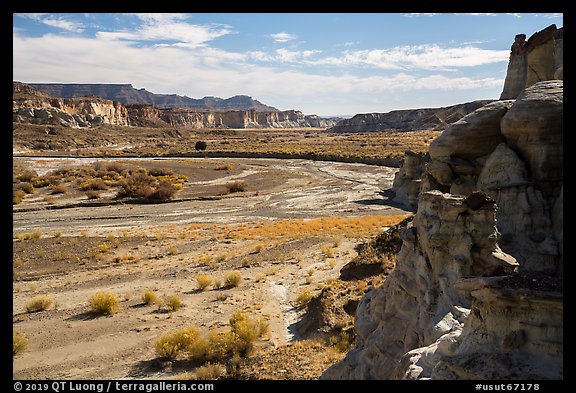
[288, 235]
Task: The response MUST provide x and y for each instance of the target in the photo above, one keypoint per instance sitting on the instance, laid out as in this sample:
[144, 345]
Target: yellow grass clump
[204, 281]
[149, 297]
[19, 343]
[232, 279]
[173, 344]
[105, 303]
[39, 303]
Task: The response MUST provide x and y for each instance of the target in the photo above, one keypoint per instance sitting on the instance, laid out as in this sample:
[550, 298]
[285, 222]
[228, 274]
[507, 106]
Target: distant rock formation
[409, 119]
[147, 115]
[128, 95]
[538, 59]
[32, 106]
[477, 292]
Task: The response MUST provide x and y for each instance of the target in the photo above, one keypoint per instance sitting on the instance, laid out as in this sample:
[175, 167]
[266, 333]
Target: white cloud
[282, 37]
[414, 14]
[477, 13]
[428, 57]
[168, 27]
[60, 22]
[160, 18]
[199, 71]
[553, 15]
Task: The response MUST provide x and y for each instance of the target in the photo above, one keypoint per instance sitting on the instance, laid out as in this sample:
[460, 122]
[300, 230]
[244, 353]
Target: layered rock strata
[408, 119]
[477, 292]
[539, 59]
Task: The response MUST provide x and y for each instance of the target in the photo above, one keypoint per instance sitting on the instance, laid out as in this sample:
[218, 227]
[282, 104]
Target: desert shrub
[39, 303]
[27, 175]
[248, 329]
[19, 343]
[209, 372]
[237, 186]
[304, 297]
[204, 281]
[172, 344]
[59, 189]
[173, 303]
[222, 345]
[232, 279]
[37, 234]
[224, 167]
[93, 184]
[161, 171]
[200, 145]
[149, 297]
[103, 302]
[40, 182]
[163, 192]
[92, 194]
[342, 342]
[17, 196]
[137, 185]
[109, 166]
[27, 187]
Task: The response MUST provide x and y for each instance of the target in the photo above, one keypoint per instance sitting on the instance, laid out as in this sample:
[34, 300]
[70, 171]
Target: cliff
[538, 59]
[146, 115]
[32, 106]
[477, 291]
[128, 95]
[409, 119]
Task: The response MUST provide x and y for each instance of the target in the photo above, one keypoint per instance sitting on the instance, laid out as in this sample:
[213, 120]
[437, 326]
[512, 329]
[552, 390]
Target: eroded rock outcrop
[147, 115]
[477, 291]
[32, 106]
[408, 119]
[540, 58]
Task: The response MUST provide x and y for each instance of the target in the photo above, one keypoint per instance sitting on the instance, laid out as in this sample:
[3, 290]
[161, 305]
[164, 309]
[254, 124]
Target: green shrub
[200, 145]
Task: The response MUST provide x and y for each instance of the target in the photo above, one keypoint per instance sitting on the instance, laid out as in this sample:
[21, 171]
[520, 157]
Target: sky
[319, 63]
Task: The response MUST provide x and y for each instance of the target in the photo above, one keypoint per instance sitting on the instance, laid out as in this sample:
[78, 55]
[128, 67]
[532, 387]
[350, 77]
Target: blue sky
[319, 63]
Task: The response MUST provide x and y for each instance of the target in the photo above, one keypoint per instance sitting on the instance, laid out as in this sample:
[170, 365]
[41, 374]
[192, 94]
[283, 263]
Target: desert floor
[290, 231]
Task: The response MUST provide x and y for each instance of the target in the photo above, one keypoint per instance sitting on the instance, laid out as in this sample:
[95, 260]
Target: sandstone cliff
[477, 292]
[538, 59]
[32, 106]
[409, 119]
[147, 115]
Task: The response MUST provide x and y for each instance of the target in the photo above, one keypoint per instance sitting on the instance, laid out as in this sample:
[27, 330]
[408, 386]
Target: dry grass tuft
[204, 281]
[39, 303]
[303, 298]
[173, 303]
[149, 297]
[210, 372]
[232, 279]
[19, 343]
[105, 303]
[171, 345]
